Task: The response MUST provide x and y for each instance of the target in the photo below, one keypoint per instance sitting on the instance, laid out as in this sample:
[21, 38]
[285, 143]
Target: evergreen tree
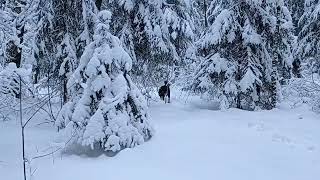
[243, 62]
[66, 64]
[283, 40]
[297, 9]
[281, 46]
[108, 111]
[44, 41]
[86, 25]
[58, 18]
[7, 34]
[21, 16]
[156, 34]
[308, 48]
[202, 12]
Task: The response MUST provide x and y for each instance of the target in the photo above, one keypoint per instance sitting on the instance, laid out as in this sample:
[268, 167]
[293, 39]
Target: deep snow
[191, 142]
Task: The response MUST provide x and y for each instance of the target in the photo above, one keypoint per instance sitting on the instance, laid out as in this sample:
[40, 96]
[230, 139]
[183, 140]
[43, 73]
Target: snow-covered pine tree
[239, 54]
[44, 41]
[59, 21]
[21, 16]
[29, 27]
[58, 18]
[17, 32]
[281, 46]
[7, 34]
[308, 48]
[108, 112]
[11, 41]
[66, 64]
[215, 80]
[86, 25]
[297, 9]
[202, 8]
[283, 40]
[156, 34]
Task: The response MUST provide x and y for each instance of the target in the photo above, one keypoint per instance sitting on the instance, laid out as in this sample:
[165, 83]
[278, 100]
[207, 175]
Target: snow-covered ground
[192, 142]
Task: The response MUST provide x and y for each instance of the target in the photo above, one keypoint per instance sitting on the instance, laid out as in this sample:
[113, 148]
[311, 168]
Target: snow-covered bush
[307, 54]
[107, 111]
[303, 90]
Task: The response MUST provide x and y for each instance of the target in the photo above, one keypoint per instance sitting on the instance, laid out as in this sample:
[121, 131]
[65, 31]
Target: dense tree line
[98, 53]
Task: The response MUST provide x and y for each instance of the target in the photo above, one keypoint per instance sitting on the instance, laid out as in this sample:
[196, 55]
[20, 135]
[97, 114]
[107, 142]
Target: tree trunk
[205, 13]
[65, 91]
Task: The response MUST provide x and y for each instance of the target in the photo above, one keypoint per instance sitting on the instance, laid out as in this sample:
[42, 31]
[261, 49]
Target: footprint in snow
[311, 148]
[281, 138]
[258, 126]
[285, 140]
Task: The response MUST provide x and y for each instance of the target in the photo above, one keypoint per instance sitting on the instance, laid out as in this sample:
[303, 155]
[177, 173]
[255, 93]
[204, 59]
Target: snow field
[190, 143]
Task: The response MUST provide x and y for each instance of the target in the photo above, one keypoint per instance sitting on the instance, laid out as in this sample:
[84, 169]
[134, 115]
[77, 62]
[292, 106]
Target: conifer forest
[159, 89]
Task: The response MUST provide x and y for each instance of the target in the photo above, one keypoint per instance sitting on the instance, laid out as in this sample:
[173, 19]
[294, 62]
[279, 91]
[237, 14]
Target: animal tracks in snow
[258, 126]
[283, 139]
[280, 138]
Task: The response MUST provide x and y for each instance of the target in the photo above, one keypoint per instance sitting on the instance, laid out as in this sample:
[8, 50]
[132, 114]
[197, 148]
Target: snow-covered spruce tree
[307, 89]
[308, 48]
[200, 13]
[66, 64]
[281, 46]
[43, 38]
[108, 111]
[240, 54]
[58, 18]
[17, 32]
[21, 16]
[7, 34]
[156, 34]
[29, 22]
[9, 39]
[297, 9]
[86, 26]
[215, 79]
[282, 41]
